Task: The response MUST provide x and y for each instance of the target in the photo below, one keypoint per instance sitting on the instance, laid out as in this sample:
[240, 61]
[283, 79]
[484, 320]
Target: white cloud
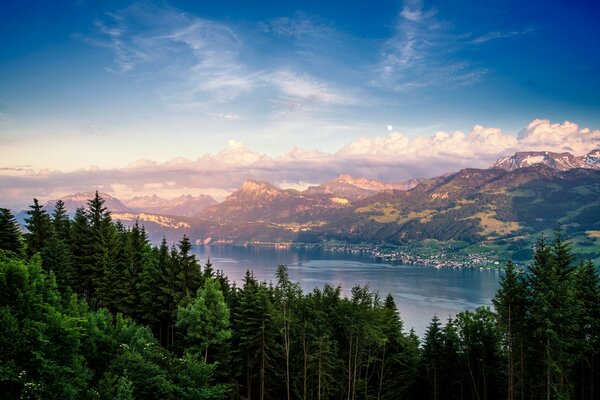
[393, 157]
[567, 136]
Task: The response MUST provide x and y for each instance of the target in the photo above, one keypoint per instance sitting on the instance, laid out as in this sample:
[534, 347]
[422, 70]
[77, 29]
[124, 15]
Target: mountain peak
[78, 200]
[559, 161]
[252, 186]
[185, 205]
[593, 157]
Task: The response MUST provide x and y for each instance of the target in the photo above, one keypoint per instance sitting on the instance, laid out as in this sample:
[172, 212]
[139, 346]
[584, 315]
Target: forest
[90, 309]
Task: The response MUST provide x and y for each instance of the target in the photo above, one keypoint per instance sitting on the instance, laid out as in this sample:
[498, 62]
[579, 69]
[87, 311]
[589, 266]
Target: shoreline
[387, 253]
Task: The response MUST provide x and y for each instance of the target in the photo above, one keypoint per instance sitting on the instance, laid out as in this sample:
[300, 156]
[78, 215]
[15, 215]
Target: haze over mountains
[499, 207]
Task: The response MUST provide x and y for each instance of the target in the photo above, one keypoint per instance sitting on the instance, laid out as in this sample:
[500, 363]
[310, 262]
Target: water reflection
[420, 292]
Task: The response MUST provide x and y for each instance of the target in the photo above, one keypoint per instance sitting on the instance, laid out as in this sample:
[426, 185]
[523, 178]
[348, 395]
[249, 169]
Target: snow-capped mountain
[559, 161]
[183, 206]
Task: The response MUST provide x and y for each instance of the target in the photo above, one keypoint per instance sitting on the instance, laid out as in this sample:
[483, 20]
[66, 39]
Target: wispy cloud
[224, 116]
[201, 64]
[422, 53]
[499, 35]
[413, 11]
[301, 92]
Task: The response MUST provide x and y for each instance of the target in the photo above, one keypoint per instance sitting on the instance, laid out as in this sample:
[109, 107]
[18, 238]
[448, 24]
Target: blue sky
[107, 83]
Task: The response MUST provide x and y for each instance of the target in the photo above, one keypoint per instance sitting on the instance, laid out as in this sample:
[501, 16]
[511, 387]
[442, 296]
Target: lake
[419, 291]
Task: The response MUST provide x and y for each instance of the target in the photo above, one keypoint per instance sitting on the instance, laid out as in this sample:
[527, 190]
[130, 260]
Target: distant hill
[352, 189]
[498, 207]
[501, 208]
[75, 201]
[156, 225]
[183, 206]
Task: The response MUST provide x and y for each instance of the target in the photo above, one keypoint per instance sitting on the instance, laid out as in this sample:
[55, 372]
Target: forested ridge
[90, 309]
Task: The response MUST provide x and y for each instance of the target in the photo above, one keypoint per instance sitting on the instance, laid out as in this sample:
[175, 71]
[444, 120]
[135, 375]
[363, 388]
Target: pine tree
[61, 222]
[587, 289]
[432, 353]
[256, 344]
[164, 302]
[287, 295]
[82, 253]
[552, 316]
[10, 236]
[190, 277]
[480, 345]
[510, 303]
[104, 237]
[399, 356]
[56, 257]
[40, 228]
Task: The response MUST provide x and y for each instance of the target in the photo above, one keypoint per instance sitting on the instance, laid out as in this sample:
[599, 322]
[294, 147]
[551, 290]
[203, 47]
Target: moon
[389, 128]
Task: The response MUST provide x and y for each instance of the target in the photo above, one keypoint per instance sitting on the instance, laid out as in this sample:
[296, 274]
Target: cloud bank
[394, 157]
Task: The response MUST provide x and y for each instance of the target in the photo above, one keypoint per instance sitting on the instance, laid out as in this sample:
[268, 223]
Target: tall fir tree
[104, 237]
[551, 308]
[61, 221]
[432, 354]
[10, 235]
[190, 276]
[587, 370]
[82, 254]
[39, 227]
[510, 303]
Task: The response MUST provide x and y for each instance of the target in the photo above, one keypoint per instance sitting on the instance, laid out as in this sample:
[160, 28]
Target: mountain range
[497, 208]
[559, 161]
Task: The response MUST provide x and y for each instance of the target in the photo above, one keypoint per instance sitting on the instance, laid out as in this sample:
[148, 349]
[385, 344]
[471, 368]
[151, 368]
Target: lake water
[419, 291]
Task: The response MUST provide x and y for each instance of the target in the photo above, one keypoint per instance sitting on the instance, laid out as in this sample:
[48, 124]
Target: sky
[188, 97]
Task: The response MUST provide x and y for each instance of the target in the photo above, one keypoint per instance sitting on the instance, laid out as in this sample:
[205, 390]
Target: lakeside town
[444, 258]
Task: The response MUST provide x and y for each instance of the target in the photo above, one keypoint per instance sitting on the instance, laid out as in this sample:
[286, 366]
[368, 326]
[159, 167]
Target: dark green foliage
[511, 308]
[204, 338]
[189, 277]
[204, 321]
[255, 339]
[39, 228]
[10, 237]
[61, 222]
[82, 245]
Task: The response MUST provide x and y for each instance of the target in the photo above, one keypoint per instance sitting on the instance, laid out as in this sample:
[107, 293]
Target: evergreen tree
[552, 318]
[39, 228]
[103, 245]
[82, 253]
[399, 357]
[61, 222]
[587, 289]
[256, 344]
[56, 257]
[10, 236]
[204, 322]
[165, 300]
[480, 345]
[287, 296]
[432, 354]
[510, 303]
[190, 277]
